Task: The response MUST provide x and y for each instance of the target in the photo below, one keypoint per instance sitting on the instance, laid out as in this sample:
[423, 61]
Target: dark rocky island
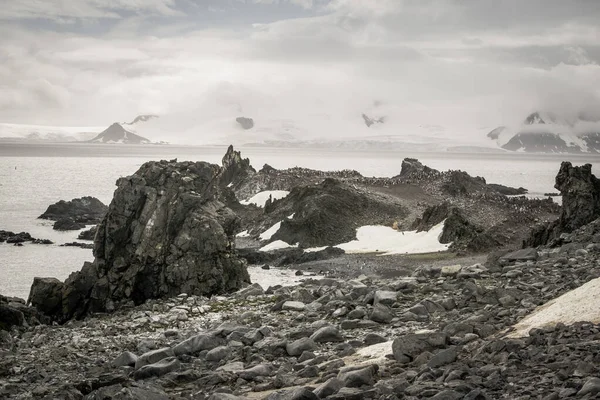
[75, 214]
[166, 310]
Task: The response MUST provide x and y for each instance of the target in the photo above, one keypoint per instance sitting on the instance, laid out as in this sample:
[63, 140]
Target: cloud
[83, 9]
[451, 62]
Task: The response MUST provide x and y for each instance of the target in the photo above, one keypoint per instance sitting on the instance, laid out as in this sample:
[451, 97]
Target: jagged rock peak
[166, 232]
[235, 168]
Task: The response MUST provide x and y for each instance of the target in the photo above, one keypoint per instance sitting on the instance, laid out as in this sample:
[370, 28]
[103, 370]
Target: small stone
[126, 359]
[327, 334]
[299, 346]
[592, 386]
[381, 314]
[157, 369]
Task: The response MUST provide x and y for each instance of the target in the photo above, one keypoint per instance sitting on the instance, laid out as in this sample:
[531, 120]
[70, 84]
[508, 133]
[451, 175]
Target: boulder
[88, 210]
[166, 232]
[407, 347]
[46, 295]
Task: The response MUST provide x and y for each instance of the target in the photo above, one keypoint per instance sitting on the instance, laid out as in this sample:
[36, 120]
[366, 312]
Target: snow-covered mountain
[548, 133]
[40, 133]
[116, 133]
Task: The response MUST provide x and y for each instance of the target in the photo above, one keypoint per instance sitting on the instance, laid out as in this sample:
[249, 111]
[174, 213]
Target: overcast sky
[482, 62]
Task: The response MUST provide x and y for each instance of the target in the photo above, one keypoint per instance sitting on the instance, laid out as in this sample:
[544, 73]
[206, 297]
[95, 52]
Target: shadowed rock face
[580, 191]
[166, 232]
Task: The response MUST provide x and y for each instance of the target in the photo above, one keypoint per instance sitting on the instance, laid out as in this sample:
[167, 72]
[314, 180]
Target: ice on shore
[261, 198]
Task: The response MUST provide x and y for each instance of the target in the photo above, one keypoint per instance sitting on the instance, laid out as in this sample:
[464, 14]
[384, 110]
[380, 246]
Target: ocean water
[33, 176]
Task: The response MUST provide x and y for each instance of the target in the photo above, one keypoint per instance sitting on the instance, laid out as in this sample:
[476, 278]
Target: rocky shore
[166, 310]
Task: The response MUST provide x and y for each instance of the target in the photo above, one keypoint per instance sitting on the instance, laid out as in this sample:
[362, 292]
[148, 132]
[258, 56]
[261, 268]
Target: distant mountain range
[375, 129]
[547, 133]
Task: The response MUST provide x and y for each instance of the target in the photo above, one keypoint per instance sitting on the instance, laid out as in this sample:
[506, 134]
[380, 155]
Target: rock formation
[166, 232]
[245, 122]
[235, 169]
[580, 191]
[84, 210]
[328, 213]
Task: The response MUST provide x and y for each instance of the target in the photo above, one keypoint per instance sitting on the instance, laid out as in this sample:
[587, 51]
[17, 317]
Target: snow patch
[243, 234]
[268, 234]
[314, 249]
[383, 239]
[581, 304]
[277, 245]
[261, 198]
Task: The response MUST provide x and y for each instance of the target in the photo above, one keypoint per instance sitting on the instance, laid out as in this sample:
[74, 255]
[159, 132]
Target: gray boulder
[407, 347]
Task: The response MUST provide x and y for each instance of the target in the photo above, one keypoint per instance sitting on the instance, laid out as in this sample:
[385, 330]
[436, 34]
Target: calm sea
[32, 176]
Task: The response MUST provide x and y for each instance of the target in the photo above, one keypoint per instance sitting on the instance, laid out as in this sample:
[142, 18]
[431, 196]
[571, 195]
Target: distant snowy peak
[116, 133]
[546, 133]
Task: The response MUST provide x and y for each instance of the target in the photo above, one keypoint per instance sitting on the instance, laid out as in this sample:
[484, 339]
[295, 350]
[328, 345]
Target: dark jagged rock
[67, 224]
[166, 232]
[88, 234]
[245, 122]
[85, 210]
[328, 214]
[47, 297]
[235, 168]
[19, 238]
[580, 191]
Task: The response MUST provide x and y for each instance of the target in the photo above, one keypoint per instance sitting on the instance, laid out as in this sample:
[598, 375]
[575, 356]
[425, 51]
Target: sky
[480, 63]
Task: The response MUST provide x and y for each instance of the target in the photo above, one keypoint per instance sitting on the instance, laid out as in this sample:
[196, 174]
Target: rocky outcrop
[580, 191]
[414, 169]
[329, 213]
[84, 210]
[20, 238]
[166, 232]
[245, 122]
[235, 169]
[15, 313]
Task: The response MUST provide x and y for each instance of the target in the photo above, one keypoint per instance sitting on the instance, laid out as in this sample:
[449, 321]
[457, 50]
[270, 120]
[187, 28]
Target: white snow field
[383, 239]
[261, 198]
[376, 239]
[578, 305]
